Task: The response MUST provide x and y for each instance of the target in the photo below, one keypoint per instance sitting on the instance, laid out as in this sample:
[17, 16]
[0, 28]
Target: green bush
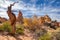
[45, 37]
[6, 27]
[19, 29]
[56, 35]
[1, 28]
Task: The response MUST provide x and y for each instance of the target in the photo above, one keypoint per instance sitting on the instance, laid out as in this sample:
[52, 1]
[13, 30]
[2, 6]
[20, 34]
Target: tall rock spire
[20, 18]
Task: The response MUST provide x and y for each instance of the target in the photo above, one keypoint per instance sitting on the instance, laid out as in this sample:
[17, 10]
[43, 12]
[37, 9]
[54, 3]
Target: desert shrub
[35, 23]
[56, 35]
[27, 22]
[45, 37]
[7, 27]
[35, 20]
[19, 29]
[1, 28]
[31, 23]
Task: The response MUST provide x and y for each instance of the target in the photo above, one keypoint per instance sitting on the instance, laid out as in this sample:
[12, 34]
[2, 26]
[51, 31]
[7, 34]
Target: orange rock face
[47, 18]
[2, 20]
[41, 20]
[20, 18]
[44, 19]
[59, 24]
[12, 18]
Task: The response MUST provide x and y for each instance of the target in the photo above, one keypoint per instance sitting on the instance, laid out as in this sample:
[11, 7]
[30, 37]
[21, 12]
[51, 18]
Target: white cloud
[4, 14]
[29, 9]
[5, 3]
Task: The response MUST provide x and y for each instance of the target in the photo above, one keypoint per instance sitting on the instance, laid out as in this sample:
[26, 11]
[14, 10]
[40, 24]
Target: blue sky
[31, 7]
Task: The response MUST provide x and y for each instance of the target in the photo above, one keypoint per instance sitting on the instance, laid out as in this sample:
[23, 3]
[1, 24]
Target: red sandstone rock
[47, 19]
[20, 18]
[2, 20]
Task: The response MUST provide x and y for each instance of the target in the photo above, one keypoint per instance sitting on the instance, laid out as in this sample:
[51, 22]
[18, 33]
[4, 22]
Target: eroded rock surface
[19, 18]
[2, 20]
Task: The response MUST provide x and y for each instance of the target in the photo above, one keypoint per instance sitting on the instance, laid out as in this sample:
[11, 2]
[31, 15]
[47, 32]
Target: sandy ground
[27, 36]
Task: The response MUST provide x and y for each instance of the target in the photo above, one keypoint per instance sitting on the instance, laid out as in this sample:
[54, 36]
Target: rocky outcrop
[44, 19]
[2, 20]
[47, 19]
[59, 24]
[54, 24]
[41, 20]
[19, 18]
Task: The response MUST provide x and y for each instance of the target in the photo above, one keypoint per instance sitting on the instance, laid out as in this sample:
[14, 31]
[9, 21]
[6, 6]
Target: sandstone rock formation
[2, 20]
[41, 20]
[47, 19]
[54, 24]
[20, 18]
[44, 19]
[59, 24]
[12, 18]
